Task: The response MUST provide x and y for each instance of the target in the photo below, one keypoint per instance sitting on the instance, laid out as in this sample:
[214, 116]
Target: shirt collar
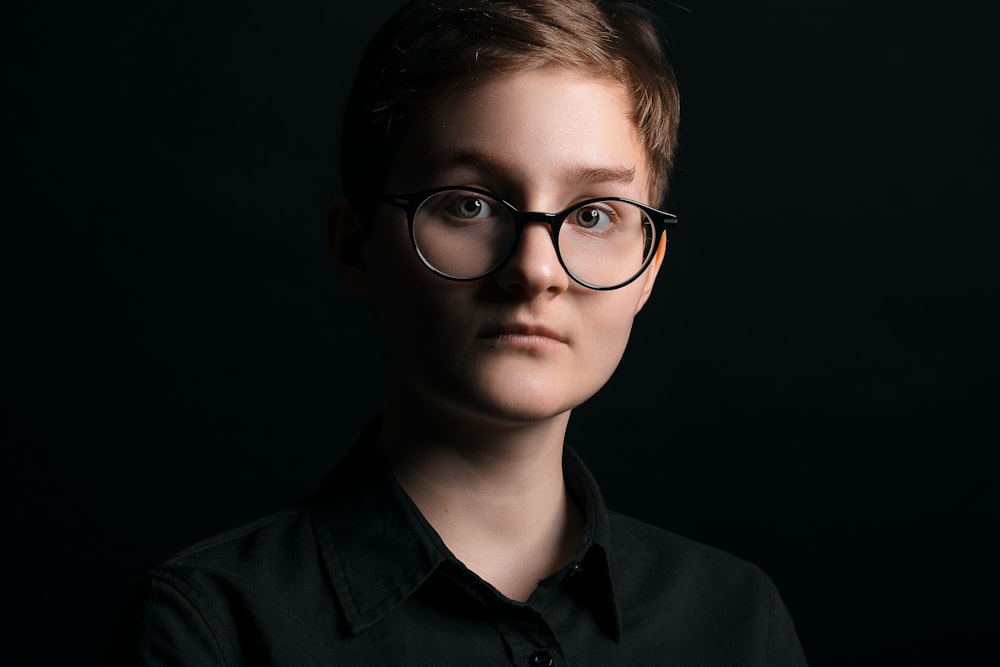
[379, 549]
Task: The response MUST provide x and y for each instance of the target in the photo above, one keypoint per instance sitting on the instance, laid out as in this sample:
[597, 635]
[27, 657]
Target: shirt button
[540, 659]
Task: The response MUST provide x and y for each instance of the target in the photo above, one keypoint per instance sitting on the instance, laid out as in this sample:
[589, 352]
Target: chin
[522, 401]
[519, 393]
[527, 413]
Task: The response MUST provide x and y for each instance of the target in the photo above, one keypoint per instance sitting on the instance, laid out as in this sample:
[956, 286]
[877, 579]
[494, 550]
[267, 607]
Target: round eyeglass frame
[411, 202]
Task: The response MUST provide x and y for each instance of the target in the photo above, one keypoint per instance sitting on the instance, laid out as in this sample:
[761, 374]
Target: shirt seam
[192, 598]
[236, 533]
[768, 657]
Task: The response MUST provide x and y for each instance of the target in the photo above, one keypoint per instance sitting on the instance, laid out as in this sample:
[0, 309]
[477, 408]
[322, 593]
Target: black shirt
[354, 575]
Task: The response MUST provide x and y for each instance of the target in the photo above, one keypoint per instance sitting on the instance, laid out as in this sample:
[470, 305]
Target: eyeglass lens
[467, 234]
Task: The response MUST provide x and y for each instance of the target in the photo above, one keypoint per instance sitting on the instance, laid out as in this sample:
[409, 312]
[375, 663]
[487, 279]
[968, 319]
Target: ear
[345, 236]
[651, 272]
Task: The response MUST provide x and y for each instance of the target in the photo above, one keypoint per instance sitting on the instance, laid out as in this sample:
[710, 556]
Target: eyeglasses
[467, 233]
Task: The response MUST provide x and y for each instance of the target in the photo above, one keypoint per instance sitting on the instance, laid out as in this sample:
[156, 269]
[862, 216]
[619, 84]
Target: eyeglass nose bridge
[523, 218]
[539, 216]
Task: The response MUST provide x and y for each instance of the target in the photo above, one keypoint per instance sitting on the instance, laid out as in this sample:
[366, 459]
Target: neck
[493, 490]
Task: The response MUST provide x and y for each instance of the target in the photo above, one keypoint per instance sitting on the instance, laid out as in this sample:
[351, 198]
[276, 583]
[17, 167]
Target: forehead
[541, 128]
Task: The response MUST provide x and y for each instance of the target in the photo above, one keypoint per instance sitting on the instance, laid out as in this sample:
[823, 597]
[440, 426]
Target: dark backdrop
[812, 386]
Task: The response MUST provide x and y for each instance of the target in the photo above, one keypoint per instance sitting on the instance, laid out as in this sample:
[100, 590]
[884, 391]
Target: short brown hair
[429, 48]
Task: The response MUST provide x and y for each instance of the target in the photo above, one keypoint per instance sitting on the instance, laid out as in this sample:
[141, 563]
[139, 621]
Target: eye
[594, 217]
[469, 207]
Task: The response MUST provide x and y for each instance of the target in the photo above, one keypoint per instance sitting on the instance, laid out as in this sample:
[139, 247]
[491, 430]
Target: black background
[812, 386]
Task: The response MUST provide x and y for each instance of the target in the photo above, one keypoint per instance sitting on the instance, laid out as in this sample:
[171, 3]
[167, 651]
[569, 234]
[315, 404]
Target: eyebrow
[598, 175]
[578, 175]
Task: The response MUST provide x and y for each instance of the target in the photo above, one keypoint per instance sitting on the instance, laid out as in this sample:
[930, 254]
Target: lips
[522, 330]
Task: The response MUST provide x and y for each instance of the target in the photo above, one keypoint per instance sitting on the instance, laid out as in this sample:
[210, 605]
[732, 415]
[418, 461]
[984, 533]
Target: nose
[533, 268]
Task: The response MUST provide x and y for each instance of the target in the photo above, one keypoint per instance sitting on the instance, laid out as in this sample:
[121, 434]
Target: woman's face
[525, 342]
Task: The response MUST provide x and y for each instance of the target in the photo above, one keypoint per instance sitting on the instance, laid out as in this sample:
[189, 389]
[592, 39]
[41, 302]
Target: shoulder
[646, 559]
[223, 598]
[262, 538]
[641, 549]
[264, 559]
[697, 599]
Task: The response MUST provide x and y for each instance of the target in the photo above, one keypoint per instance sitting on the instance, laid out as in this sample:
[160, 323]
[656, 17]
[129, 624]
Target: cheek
[387, 246]
[608, 322]
[395, 273]
[391, 276]
[416, 309]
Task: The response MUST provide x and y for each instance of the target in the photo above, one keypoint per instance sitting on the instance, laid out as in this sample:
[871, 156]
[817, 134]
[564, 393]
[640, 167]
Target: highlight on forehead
[439, 159]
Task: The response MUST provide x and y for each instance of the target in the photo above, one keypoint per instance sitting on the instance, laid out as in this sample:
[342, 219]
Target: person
[504, 163]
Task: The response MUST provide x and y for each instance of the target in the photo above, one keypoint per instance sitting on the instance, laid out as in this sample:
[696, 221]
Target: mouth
[517, 333]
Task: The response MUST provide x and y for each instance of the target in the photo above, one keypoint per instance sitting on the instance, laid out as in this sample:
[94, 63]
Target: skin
[482, 376]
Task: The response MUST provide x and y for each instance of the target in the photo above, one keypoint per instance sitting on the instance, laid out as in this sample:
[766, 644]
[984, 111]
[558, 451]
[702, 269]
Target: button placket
[529, 638]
